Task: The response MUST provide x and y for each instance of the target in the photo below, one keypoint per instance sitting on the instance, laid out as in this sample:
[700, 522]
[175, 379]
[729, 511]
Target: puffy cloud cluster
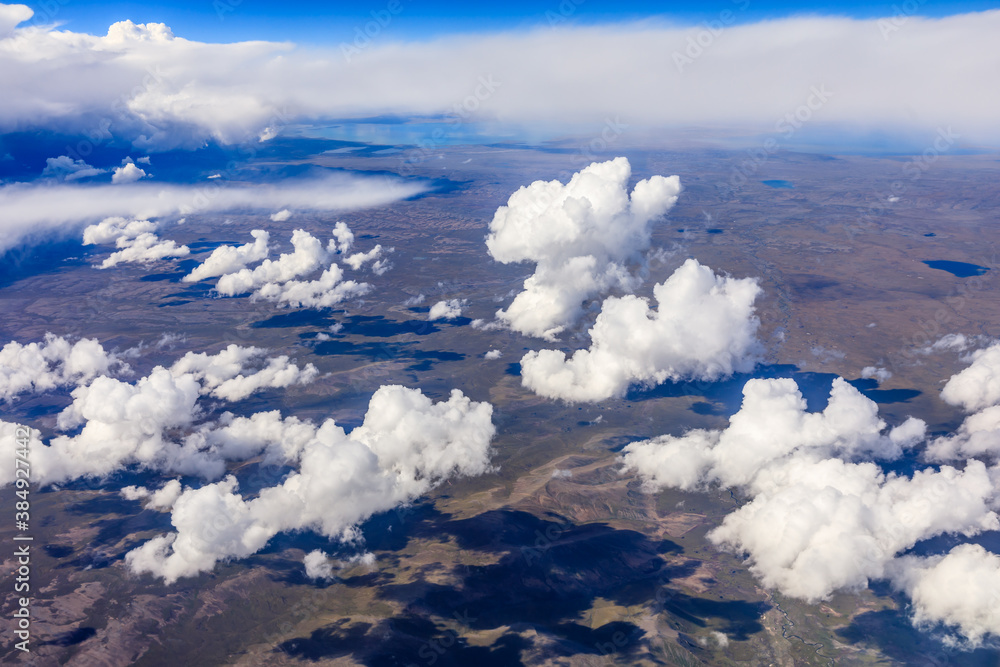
[125, 423]
[36, 210]
[960, 590]
[229, 259]
[161, 499]
[406, 445]
[446, 310]
[822, 517]
[977, 390]
[580, 235]
[703, 327]
[38, 367]
[221, 374]
[278, 280]
[66, 168]
[152, 88]
[136, 241]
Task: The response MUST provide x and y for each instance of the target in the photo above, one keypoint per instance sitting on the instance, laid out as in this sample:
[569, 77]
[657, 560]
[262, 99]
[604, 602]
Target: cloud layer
[144, 83]
[33, 211]
[703, 327]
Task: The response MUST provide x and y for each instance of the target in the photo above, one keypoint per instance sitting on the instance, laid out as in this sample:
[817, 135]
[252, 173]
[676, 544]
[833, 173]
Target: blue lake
[958, 269]
[778, 184]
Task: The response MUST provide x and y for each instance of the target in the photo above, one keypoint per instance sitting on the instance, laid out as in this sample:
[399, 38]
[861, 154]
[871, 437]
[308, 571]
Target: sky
[312, 22]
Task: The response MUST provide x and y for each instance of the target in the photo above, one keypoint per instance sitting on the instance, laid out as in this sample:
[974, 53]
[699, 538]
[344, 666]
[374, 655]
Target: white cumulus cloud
[38, 367]
[703, 327]
[580, 236]
[446, 310]
[230, 259]
[136, 241]
[406, 445]
[127, 173]
[821, 517]
[960, 590]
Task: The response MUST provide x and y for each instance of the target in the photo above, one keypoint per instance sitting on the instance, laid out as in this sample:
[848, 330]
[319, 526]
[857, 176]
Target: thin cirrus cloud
[143, 83]
[34, 210]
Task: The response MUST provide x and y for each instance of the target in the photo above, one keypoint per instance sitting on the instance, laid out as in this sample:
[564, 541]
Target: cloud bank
[580, 235]
[703, 327]
[31, 211]
[146, 84]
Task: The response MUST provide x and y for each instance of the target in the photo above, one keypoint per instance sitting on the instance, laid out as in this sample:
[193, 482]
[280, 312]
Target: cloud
[281, 216]
[977, 390]
[230, 259]
[151, 87]
[39, 367]
[162, 499]
[704, 327]
[960, 590]
[276, 280]
[880, 374]
[820, 517]
[68, 169]
[359, 259]
[141, 423]
[580, 236]
[129, 173]
[771, 426]
[135, 240]
[978, 386]
[318, 565]
[446, 310]
[36, 210]
[493, 354]
[406, 445]
[222, 374]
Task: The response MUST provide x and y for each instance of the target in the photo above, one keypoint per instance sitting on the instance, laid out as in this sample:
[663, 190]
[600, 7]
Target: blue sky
[312, 22]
